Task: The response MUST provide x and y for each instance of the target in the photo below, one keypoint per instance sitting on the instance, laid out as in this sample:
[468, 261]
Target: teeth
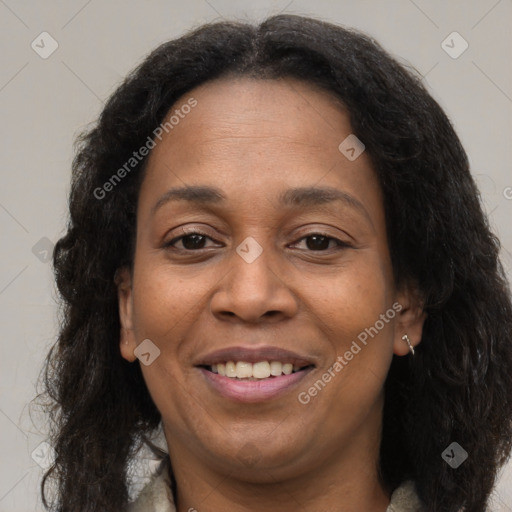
[230, 369]
[243, 370]
[260, 370]
[287, 368]
[276, 368]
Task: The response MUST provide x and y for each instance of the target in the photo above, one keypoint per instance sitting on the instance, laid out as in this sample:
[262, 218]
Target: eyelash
[170, 245]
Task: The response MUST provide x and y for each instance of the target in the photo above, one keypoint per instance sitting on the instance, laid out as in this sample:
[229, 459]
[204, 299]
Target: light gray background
[44, 103]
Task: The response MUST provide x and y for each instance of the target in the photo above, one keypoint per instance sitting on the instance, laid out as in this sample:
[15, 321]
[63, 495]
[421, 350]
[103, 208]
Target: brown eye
[189, 242]
[320, 243]
[192, 242]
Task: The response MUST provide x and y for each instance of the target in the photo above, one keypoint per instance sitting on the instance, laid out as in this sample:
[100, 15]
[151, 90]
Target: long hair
[457, 388]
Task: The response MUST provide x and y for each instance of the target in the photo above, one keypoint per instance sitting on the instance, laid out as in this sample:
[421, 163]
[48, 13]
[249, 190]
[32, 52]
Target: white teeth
[276, 368]
[287, 368]
[243, 370]
[230, 369]
[259, 370]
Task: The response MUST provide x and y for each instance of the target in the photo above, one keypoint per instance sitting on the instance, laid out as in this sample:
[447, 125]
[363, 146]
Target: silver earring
[408, 341]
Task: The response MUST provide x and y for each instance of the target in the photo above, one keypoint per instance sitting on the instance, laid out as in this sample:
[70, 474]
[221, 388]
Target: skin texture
[254, 139]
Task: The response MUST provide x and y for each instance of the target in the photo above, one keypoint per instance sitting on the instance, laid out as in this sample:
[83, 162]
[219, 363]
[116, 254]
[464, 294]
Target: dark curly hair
[458, 387]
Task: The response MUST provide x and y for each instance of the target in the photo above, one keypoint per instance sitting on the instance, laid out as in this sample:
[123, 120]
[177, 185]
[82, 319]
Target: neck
[346, 481]
[309, 495]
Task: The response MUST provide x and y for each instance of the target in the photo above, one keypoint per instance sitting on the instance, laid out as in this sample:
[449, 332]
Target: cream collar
[157, 496]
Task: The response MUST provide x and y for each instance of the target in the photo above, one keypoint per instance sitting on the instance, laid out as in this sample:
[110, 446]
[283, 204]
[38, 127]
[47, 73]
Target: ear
[410, 320]
[127, 341]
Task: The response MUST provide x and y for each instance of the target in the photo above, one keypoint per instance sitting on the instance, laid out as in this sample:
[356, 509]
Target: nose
[254, 292]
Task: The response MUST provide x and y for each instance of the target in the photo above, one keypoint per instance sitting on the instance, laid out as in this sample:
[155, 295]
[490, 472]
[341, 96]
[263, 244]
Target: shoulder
[156, 495]
[405, 499]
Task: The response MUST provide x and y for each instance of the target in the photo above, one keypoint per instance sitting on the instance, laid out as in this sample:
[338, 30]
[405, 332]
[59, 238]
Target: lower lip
[251, 391]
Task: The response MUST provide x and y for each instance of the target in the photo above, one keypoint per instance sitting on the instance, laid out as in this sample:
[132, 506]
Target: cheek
[163, 300]
[352, 299]
[358, 318]
[360, 341]
[165, 309]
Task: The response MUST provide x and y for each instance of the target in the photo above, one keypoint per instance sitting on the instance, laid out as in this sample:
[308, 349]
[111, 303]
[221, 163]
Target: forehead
[249, 113]
[259, 137]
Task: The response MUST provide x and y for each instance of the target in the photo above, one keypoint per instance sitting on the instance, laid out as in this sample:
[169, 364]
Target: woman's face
[290, 265]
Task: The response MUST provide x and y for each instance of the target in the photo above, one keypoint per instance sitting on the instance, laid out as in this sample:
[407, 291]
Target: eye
[192, 241]
[320, 242]
[196, 240]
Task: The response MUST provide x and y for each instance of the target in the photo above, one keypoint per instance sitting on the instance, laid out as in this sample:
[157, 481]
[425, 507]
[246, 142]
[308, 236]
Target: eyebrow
[295, 197]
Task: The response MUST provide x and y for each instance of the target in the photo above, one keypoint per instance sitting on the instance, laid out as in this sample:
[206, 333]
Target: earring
[408, 341]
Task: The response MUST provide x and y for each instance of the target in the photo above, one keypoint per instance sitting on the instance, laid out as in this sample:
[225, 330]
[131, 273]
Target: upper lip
[254, 354]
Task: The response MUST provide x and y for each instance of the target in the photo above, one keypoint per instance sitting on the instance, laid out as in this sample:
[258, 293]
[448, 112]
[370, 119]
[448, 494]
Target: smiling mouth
[245, 371]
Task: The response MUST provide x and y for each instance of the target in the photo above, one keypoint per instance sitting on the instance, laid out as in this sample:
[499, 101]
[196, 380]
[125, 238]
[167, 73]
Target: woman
[276, 252]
